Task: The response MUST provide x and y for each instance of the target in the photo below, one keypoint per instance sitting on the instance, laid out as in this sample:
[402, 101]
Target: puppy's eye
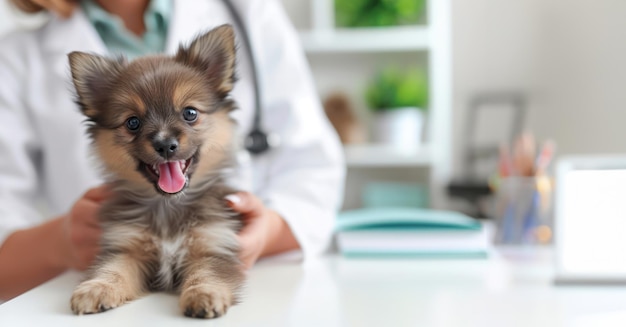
[190, 114]
[133, 124]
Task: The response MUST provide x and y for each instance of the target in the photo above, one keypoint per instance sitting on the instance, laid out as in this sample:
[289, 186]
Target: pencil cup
[523, 213]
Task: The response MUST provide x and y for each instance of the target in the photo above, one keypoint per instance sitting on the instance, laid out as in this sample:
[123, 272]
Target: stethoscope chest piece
[256, 142]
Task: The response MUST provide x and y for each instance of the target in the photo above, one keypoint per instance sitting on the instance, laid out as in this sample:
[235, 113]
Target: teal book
[410, 232]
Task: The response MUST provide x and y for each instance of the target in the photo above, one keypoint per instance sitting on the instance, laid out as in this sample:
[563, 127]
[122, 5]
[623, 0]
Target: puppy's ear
[214, 54]
[93, 76]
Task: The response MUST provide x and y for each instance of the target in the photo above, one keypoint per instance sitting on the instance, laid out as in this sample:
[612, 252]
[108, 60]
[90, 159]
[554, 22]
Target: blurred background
[430, 97]
[491, 69]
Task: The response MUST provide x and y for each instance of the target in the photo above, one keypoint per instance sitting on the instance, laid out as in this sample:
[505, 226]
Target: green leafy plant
[393, 88]
[373, 13]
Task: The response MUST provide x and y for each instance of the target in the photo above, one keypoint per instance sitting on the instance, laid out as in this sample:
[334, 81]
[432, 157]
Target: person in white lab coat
[44, 150]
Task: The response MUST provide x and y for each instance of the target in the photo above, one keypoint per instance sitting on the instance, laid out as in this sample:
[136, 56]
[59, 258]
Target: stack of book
[413, 232]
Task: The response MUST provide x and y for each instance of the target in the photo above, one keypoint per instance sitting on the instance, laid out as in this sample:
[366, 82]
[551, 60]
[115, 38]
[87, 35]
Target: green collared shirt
[119, 40]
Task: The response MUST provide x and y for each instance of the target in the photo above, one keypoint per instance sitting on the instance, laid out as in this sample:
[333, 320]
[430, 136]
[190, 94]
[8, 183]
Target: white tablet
[590, 220]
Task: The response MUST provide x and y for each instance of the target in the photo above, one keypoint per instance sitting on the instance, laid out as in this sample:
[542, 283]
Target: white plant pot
[400, 127]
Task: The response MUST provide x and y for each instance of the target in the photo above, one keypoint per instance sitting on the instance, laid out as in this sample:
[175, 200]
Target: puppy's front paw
[96, 296]
[203, 301]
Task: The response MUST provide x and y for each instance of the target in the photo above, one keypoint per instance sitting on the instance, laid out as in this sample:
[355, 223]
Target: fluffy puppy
[161, 128]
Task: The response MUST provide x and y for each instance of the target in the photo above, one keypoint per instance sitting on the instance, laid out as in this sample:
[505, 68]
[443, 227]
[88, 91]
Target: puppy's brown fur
[153, 240]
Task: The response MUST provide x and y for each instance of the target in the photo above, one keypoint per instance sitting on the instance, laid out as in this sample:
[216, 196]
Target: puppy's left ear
[214, 54]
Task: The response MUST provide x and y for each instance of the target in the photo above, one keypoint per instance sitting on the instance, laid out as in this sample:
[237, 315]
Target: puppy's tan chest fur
[166, 255]
[172, 253]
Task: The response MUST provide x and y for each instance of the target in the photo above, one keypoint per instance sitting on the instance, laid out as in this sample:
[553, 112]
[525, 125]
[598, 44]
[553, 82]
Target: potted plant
[376, 13]
[399, 100]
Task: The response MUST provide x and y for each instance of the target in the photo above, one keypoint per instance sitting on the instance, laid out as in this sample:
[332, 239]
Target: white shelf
[435, 38]
[383, 39]
[381, 155]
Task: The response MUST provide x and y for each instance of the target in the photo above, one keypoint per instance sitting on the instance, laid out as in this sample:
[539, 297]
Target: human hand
[81, 229]
[63, 8]
[257, 220]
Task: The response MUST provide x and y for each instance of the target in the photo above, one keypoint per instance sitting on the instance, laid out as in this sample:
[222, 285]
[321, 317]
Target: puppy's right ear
[93, 77]
[213, 53]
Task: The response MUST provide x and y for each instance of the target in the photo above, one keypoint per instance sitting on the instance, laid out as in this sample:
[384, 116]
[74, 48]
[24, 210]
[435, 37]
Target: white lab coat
[44, 151]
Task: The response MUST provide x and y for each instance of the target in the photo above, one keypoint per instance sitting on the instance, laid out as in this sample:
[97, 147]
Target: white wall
[569, 56]
[494, 47]
[584, 70]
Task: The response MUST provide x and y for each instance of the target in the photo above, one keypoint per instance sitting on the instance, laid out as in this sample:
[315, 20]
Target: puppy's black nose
[165, 147]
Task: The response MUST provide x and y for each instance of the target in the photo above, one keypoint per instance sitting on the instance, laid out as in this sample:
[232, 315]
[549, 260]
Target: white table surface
[511, 288]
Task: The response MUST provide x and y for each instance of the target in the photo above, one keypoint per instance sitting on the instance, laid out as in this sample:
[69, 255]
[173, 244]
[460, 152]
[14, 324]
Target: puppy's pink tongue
[171, 177]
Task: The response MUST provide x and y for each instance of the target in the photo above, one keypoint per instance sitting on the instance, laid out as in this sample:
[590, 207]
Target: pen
[530, 220]
[544, 158]
[524, 155]
[504, 162]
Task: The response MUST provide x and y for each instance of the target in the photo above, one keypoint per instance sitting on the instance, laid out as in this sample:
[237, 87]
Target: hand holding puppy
[264, 232]
[81, 231]
[253, 236]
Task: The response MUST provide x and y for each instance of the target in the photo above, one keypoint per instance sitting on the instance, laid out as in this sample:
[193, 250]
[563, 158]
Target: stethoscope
[257, 141]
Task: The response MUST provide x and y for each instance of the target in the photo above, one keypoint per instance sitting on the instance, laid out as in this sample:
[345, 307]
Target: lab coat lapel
[61, 37]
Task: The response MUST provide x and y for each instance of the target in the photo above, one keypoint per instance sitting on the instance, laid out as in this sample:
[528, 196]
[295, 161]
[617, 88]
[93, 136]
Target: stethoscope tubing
[257, 141]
